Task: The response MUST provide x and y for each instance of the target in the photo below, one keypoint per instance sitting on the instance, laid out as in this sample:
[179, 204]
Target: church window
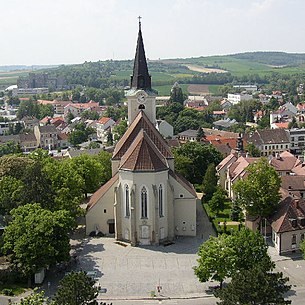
[127, 205]
[144, 202]
[141, 106]
[161, 202]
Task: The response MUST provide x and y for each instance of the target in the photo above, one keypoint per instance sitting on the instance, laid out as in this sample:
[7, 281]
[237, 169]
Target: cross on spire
[139, 22]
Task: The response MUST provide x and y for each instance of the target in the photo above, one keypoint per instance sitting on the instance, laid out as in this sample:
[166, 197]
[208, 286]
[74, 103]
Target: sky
[38, 32]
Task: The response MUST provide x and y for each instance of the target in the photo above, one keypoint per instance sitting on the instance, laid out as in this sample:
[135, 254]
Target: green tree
[12, 193]
[199, 156]
[209, 182]
[226, 255]
[259, 193]
[119, 129]
[104, 159]
[9, 148]
[217, 202]
[91, 172]
[250, 249]
[254, 286]
[67, 185]
[37, 238]
[36, 298]
[176, 95]
[216, 260]
[76, 288]
[253, 150]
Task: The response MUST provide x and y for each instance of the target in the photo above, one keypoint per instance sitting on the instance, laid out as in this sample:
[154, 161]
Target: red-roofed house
[288, 225]
[103, 126]
[77, 108]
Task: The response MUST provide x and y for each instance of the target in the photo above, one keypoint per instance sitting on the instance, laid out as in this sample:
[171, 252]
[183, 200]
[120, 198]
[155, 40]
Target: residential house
[225, 104]
[77, 108]
[285, 163]
[46, 136]
[238, 97]
[222, 167]
[63, 140]
[236, 171]
[294, 185]
[30, 122]
[288, 225]
[28, 142]
[269, 141]
[189, 135]
[280, 125]
[103, 126]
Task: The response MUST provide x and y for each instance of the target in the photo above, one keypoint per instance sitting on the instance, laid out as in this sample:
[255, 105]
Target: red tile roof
[143, 155]
[290, 212]
[141, 122]
[103, 120]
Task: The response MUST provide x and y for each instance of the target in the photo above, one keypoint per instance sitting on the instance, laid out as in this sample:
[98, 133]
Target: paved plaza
[127, 271]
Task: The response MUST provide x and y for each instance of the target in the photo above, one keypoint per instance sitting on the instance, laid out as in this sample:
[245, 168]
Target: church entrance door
[111, 228]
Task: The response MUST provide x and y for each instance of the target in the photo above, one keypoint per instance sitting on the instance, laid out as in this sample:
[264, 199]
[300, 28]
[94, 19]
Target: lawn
[214, 89]
[223, 216]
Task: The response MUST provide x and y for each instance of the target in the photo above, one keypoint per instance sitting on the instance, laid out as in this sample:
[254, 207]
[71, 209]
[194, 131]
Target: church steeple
[140, 78]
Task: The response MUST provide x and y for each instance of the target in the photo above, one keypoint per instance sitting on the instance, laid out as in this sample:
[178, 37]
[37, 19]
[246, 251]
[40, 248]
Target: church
[145, 202]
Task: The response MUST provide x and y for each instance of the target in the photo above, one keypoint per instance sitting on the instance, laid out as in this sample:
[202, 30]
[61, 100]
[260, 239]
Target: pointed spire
[140, 78]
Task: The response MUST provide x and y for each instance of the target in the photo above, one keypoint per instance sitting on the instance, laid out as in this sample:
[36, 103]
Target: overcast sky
[74, 31]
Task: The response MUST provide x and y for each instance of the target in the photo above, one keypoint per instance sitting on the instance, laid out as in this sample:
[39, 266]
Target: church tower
[141, 96]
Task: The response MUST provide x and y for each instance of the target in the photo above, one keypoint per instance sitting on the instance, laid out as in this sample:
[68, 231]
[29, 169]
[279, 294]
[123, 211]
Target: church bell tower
[141, 97]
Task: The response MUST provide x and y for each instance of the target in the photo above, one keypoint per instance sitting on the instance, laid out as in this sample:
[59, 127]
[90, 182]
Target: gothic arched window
[161, 202]
[127, 205]
[144, 211]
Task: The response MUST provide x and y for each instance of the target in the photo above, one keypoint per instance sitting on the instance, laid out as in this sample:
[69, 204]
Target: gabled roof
[141, 122]
[290, 209]
[225, 161]
[101, 191]
[285, 161]
[268, 136]
[143, 155]
[238, 168]
[293, 184]
[27, 137]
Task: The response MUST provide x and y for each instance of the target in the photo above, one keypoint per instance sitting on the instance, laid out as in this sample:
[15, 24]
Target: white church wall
[185, 217]
[100, 213]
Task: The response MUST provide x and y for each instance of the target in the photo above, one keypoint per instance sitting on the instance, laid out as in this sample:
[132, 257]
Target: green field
[10, 78]
[241, 67]
[165, 89]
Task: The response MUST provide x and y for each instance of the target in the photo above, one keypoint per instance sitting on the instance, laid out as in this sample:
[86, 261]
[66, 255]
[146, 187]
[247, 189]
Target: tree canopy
[76, 288]
[37, 238]
[254, 286]
[223, 256]
[192, 160]
[258, 192]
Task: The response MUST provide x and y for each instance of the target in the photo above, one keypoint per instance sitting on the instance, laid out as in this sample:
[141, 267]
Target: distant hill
[273, 58]
[23, 67]
[254, 67]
